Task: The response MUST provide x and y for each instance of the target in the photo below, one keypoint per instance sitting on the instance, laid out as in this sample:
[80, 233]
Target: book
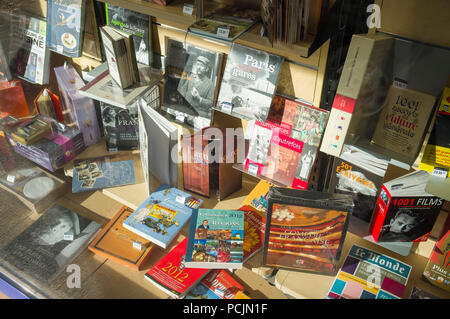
[158, 139]
[217, 284]
[171, 275]
[417, 293]
[120, 55]
[13, 100]
[216, 239]
[403, 121]
[91, 38]
[47, 246]
[404, 210]
[5, 73]
[436, 270]
[136, 23]
[31, 131]
[305, 230]
[102, 172]
[249, 83]
[120, 127]
[162, 215]
[367, 274]
[45, 106]
[268, 18]
[190, 83]
[29, 56]
[65, 26]
[120, 245]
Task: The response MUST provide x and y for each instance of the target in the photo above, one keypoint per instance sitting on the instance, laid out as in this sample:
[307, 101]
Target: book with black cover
[249, 83]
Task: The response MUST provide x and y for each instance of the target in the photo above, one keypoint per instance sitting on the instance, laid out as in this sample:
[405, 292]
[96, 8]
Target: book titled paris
[65, 26]
[249, 83]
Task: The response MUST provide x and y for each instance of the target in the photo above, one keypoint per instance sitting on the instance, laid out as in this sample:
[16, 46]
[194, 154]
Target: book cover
[190, 83]
[403, 120]
[13, 100]
[162, 215]
[65, 26]
[404, 210]
[120, 127]
[121, 245]
[102, 172]
[267, 17]
[217, 284]
[171, 275]
[437, 269]
[29, 56]
[305, 230]
[367, 274]
[249, 83]
[216, 239]
[45, 248]
[417, 293]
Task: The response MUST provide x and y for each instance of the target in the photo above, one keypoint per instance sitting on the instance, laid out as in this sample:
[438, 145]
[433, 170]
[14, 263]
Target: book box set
[186, 144]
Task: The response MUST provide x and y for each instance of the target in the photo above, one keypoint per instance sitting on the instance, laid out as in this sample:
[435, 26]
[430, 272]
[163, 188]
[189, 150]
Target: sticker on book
[227, 107]
[253, 169]
[188, 9]
[223, 32]
[440, 172]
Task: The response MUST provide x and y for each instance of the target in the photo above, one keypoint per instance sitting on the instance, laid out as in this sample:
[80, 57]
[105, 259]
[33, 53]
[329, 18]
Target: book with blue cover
[65, 26]
[102, 172]
[162, 215]
[216, 239]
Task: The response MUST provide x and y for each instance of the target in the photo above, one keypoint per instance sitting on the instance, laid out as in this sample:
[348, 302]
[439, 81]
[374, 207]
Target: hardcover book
[29, 56]
[102, 172]
[367, 274]
[13, 100]
[436, 271]
[191, 83]
[162, 215]
[120, 127]
[217, 284]
[172, 276]
[249, 83]
[404, 210]
[305, 230]
[216, 239]
[121, 245]
[65, 26]
[47, 246]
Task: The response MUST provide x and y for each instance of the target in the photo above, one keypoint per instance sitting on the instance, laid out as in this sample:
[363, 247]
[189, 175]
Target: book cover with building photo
[249, 83]
[190, 86]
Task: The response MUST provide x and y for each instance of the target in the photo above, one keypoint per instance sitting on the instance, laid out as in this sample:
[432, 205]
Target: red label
[299, 184]
[379, 213]
[344, 103]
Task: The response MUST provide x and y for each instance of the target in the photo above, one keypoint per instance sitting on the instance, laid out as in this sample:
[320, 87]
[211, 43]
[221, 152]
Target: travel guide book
[102, 172]
[249, 82]
[367, 274]
[162, 215]
[65, 26]
[216, 239]
[217, 284]
[305, 230]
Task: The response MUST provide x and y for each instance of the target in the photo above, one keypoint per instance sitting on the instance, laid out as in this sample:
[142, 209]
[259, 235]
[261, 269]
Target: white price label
[227, 107]
[253, 169]
[188, 9]
[180, 118]
[137, 245]
[219, 292]
[223, 32]
[402, 84]
[68, 236]
[440, 172]
[11, 178]
[180, 199]
[59, 48]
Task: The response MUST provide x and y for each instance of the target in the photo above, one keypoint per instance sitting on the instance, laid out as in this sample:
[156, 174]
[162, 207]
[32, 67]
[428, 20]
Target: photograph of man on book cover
[406, 225]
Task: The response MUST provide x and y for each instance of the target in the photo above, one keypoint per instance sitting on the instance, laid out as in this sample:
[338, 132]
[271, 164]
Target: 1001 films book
[191, 83]
[65, 26]
[44, 249]
[305, 230]
[216, 239]
[162, 215]
[249, 82]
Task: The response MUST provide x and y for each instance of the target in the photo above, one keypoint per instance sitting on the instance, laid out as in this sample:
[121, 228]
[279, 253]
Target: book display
[224, 149]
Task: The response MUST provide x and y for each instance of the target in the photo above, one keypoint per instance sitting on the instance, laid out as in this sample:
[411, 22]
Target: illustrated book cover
[190, 83]
[48, 245]
[217, 284]
[249, 82]
[102, 172]
[121, 245]
[13, 100]
[65, 26]
[162, 215]
[216, 239]
[171, 275]
[367, 274]
[437, 269]
[404, 210]
[305, 230]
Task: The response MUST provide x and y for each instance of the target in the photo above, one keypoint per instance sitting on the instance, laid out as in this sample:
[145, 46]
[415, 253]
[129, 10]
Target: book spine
[380, 212]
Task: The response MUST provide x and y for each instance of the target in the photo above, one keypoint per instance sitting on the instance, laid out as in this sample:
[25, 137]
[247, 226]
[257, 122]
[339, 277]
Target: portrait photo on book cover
[120, 127]
[405, 225]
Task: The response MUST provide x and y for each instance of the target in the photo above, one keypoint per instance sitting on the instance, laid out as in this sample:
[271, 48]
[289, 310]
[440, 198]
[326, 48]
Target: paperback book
[367, 274]
[216, 239]
[162, 215]
[65, 26]
[436, 271]
[217, 284]
[102, 172]
[172, 276]
[249, 83]
[190, 83]
[305, 230]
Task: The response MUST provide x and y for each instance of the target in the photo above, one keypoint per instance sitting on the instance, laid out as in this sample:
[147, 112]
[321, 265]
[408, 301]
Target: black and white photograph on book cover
[306, 162]
[259, 146]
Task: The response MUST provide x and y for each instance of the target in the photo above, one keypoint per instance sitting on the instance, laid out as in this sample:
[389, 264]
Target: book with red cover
[437, 269]
[217, 284]
[170, 274]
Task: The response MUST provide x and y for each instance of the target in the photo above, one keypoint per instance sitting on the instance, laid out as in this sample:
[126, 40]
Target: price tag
[219, 292]
[180, 199]
[180, 118]
[137, 245]
[68, 236]
[440, 172]
[253, 169]
[59, 48]
[400, 83]
[227, 107]
[223, 32]
[188, 9]
[11, 178]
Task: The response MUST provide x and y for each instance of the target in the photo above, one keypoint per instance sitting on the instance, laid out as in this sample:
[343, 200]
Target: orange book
[121, 245]
[13, 101]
